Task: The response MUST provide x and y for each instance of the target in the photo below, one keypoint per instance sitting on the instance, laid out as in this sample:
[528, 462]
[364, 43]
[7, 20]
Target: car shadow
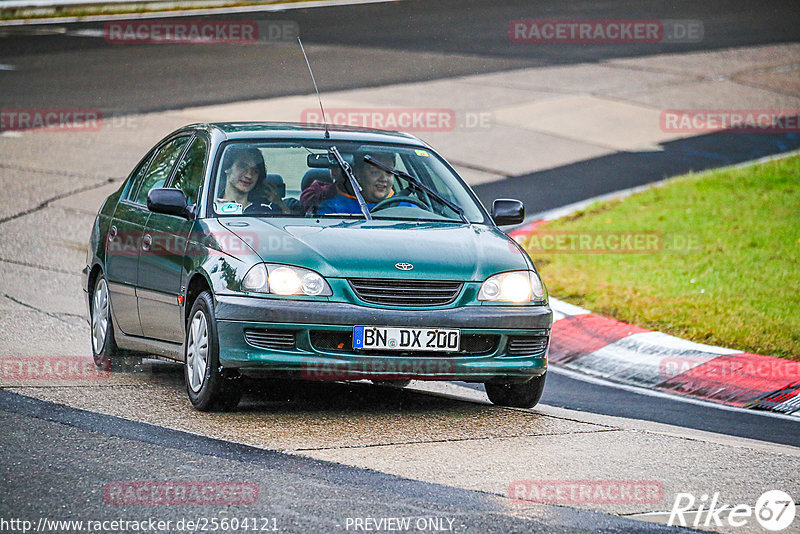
[285, 396]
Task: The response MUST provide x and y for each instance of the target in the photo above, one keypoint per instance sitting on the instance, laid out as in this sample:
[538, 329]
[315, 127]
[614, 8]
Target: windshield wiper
[353, 182]
[415, 182]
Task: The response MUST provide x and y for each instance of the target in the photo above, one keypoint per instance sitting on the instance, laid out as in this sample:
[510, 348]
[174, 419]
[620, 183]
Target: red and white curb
[598, 346]
[601, 347]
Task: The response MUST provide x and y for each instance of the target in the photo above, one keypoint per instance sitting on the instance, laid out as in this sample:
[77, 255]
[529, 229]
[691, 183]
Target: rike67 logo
[774, 510]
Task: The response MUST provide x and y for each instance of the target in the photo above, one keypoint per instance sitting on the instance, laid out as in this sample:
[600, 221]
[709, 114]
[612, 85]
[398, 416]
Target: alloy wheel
[99, 316]
[197, 351]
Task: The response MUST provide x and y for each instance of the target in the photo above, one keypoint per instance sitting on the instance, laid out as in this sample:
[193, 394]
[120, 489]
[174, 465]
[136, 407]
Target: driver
[376, 185]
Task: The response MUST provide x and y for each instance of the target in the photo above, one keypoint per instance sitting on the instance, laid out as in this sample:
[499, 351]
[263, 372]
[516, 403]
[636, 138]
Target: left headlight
[285, 280]
[513, 286]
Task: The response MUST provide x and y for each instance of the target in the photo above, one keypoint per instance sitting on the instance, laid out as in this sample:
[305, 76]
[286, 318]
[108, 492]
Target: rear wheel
[104, 346]
[208, 389]
[517, 395]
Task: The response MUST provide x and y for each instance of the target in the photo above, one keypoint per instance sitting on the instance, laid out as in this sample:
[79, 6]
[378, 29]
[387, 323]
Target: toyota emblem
[403, 266]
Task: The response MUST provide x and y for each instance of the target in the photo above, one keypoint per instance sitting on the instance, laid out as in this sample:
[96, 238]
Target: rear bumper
[307, 360]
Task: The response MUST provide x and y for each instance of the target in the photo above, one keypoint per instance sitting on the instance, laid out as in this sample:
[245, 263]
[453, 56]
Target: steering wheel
[387, 202]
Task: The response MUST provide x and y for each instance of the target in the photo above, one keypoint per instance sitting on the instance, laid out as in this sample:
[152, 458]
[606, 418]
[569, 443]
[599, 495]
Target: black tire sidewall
[206, 398]
[517, 395]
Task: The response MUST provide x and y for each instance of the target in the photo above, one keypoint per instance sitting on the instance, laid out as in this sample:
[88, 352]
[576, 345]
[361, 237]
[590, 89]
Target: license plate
[421, 339]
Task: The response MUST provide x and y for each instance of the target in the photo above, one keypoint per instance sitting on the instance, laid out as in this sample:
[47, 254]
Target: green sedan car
[313, 253]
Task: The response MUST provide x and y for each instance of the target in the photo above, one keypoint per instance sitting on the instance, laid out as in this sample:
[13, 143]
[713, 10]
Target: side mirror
[508, 211]
[169, 201]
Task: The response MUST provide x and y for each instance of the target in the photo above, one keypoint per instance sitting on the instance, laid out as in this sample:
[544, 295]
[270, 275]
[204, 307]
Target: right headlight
[513, 286]
[280, 279]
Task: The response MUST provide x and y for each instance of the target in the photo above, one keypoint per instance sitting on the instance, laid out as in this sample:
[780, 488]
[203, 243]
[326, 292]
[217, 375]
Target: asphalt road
[566, 391]
[376, 44]
[553, 188]
[350, 47]
[71, 455]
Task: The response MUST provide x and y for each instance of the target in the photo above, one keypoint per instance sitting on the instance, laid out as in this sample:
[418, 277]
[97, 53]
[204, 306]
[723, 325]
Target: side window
[160, 168]
[189, 176]
[135, 179]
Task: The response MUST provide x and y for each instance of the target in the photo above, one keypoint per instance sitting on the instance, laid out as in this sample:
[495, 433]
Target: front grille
[270, 339]
[337, 341]
[518, 345]
[405, 292]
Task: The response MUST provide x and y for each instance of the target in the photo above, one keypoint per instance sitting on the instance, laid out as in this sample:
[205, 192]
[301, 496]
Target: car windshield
[305, 179]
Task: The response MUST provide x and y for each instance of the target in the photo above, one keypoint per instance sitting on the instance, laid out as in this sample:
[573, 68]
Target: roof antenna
[324, 119]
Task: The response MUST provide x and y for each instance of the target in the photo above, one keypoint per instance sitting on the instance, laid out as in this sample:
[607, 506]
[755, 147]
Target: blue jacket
[347, 204]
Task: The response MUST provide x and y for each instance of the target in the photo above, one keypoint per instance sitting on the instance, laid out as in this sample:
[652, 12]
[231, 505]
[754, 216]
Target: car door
[163, 265]
[127, 230]
[122, 253]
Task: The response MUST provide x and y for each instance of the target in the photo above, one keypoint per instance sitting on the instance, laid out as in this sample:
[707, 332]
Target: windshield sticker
[421, 153]
[229, 208]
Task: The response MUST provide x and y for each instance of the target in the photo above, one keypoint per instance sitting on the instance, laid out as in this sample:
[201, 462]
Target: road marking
[7, 67]
[575, 375]
[460, 392]
[449, 390]
[88, 32]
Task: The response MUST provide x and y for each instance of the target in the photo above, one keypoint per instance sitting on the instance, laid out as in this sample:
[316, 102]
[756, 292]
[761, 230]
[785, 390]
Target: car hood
[362, 249]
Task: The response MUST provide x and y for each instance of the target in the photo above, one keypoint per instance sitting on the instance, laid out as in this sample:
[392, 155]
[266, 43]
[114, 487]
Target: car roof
[291, 130]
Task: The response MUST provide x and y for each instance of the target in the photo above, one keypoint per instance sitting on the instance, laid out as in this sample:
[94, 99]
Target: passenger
[319, 190]
[243, 171]
[376, 185]
[247, 187]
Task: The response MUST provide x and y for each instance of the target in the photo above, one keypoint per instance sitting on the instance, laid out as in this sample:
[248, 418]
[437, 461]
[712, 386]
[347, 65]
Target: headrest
[277, 179]
[323, 175]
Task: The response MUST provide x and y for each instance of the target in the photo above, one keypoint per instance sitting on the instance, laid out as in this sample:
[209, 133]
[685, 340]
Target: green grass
[130, 8]
[736, 285]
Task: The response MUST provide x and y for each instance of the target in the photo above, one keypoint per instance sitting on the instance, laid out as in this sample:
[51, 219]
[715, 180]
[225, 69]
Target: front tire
[208, 389]
[517, 395]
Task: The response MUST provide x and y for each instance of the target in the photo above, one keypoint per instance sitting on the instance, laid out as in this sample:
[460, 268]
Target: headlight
[513, 286]
[285, 280]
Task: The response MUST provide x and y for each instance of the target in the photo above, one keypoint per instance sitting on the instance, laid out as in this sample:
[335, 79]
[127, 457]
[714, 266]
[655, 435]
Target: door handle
[112, 233]
[147, 240]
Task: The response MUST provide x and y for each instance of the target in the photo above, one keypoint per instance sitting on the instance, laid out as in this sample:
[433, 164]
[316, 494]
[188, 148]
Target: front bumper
[308, 320]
